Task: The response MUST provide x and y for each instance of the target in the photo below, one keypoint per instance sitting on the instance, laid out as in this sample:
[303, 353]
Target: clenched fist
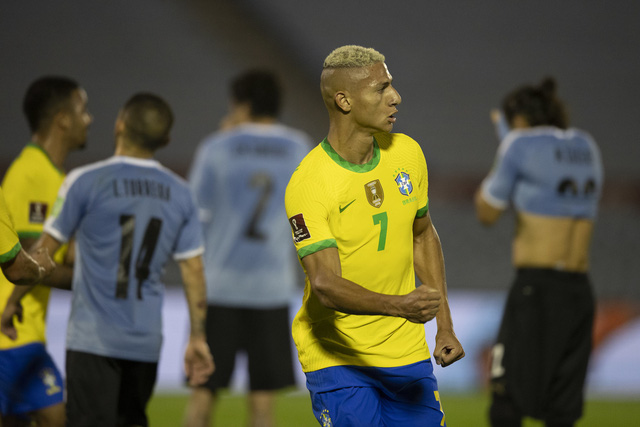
[421, 305]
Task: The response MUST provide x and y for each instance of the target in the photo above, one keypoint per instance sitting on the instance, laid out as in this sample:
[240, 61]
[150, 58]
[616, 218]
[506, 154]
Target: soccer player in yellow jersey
[17, 265]
[30, 384]
[358, 209]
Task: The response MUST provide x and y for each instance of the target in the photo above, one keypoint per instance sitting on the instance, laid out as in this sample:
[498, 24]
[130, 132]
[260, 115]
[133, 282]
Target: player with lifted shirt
[553, 176]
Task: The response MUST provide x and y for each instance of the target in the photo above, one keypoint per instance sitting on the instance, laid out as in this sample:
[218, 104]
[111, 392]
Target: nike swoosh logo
[346, 206]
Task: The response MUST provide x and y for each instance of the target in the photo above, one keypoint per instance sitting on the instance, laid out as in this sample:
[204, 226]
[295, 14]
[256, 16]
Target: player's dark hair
[148, 120]
[260, 89]
[539, 104]
[45, 97]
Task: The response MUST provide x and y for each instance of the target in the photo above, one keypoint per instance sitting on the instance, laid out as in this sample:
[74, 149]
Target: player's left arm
[429, 265]
[198, 362]
[26, 269]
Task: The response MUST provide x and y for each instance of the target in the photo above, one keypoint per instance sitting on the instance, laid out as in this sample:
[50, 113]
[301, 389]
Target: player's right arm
[486, 213]
[493, 196]
[337, 293]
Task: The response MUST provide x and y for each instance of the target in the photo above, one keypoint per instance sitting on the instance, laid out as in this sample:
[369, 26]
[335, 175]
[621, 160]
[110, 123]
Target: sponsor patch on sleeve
[299, 228]
[38, 212]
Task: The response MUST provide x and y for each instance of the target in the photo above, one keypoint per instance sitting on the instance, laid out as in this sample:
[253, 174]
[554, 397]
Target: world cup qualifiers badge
[404, 183]
[299, 228]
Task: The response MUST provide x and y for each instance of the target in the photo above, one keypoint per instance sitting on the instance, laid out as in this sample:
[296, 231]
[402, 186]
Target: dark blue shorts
[29, 380]
[368, 396]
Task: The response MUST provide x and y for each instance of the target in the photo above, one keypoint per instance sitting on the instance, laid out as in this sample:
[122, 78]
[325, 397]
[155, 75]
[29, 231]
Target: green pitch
[294, 410]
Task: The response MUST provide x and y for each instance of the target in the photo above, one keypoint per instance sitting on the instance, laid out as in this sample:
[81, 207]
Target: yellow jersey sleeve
[31, 185]
[422, 181]
[9, 243]
[308, 208]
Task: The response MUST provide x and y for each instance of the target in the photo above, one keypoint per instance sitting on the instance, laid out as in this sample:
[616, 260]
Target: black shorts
[264, 334]
[540, 359]
[105, 391]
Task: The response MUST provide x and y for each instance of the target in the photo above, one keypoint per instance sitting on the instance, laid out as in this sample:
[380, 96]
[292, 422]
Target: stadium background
[451, 61]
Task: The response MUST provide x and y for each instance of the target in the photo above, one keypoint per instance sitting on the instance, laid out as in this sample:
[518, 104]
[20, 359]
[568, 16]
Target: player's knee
[51, 416]
[199, 407]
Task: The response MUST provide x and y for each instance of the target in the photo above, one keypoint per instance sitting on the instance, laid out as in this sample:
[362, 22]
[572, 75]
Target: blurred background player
[239, 176]
[553, 177]
[359, 212]
[58, 118]
[128, 215]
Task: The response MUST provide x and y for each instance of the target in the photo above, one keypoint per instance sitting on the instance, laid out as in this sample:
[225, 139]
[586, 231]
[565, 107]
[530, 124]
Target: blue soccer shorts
[29, 380]
[367, 396]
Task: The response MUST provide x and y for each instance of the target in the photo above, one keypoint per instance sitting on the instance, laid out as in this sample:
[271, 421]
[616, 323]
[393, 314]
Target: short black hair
[148, 120]
[539, 104]
[45, 97]
[260, 89]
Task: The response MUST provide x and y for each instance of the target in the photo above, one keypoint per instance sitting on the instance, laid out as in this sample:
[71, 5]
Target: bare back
[552, 242]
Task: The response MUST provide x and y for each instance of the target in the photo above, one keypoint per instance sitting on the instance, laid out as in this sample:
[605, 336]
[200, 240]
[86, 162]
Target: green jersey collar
[369, 166]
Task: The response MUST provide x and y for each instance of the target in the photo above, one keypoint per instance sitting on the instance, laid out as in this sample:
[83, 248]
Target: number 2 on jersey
[381, 219]
[264, 183]
[145, 254]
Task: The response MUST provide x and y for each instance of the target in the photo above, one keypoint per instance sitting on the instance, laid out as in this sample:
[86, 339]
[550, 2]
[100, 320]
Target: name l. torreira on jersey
[124, 187]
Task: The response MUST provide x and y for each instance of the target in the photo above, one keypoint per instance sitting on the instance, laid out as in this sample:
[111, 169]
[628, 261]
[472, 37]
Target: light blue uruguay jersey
[127, 216]
[547, 171]
[239, 178]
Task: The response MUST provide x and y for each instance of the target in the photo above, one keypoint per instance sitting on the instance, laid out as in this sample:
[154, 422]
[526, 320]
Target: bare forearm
[23, 270]
[345, 296]
[430, 269]
[196, 302]
[61, 277]
[337, 293]
[18, 293]
[195, 293]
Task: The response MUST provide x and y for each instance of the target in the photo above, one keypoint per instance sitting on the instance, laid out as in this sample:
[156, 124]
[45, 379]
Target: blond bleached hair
[352, 56]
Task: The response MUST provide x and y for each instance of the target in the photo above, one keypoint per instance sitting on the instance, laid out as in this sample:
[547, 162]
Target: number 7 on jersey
[381, 219]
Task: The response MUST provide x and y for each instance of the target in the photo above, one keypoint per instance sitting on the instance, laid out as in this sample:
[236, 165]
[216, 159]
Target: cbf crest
[325, 419]
[403, 180]
[50, 381]
[375, 193]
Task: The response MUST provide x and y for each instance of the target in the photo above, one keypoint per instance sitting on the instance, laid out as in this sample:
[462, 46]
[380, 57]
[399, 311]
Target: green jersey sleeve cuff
[422, 212]
[8, 256]
[316, 247]
[29, 234]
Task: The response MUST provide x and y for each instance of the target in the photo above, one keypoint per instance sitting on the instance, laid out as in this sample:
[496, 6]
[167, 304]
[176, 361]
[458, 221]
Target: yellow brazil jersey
[30, 187]
[9, 243]
[367, 213]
